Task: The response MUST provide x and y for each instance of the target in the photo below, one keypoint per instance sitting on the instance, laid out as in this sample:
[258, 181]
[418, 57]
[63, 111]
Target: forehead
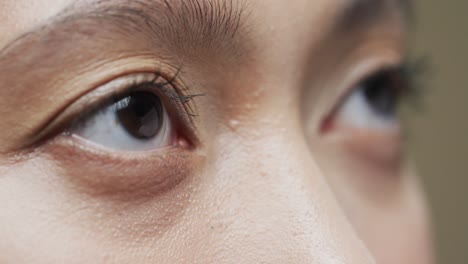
[20, 16]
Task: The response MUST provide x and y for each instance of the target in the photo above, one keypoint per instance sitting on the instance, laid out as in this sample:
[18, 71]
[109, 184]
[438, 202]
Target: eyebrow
[359, 14]
[187, 25]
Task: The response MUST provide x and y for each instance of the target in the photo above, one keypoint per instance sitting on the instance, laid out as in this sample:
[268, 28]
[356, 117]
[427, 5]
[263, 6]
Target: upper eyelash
[168, 89]
[412, 70]
[176, 95]
[409, 73]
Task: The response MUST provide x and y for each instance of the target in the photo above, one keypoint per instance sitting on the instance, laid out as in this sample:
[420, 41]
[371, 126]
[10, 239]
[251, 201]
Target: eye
[373, 103]
[136, 121]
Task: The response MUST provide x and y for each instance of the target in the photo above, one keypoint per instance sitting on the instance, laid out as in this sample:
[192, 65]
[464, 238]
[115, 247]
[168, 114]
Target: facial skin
[268, 155]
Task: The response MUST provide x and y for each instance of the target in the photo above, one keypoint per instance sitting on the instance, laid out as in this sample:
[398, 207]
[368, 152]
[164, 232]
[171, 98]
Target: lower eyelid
[384, 149]
[122, 175]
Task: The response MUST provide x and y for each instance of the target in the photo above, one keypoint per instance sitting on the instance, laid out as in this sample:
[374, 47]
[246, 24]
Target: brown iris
[141, 114]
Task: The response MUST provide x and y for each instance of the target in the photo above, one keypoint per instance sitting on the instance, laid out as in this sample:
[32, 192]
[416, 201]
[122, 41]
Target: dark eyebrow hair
[187, 24]
[361, 13]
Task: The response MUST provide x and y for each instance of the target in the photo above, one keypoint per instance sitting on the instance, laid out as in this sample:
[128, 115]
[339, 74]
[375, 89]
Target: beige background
[440, 131]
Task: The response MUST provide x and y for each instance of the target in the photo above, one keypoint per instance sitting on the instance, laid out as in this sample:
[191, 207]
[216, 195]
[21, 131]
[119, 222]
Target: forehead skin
[19, 17]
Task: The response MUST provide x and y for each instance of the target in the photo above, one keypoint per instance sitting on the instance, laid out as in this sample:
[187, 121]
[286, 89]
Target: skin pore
[266, 149]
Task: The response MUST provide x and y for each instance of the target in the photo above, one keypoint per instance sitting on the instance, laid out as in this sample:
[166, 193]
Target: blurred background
[439, 132]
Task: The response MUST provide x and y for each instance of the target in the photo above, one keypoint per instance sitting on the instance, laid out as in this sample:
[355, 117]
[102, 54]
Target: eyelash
[412, 72]
[174, 99]
[410, 89]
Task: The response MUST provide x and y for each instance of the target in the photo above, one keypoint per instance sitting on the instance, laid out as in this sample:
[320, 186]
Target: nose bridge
[290, 204]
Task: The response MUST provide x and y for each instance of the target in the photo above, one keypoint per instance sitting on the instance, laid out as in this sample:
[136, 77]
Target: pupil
[382, 94]
[140, 114]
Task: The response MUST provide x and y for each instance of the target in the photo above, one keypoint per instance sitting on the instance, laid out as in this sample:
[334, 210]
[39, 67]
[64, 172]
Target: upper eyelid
[394, 67]
[136, 82]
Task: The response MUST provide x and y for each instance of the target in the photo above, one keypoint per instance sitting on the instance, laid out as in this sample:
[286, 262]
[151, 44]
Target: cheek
[383, 203]
[366, 170]
[35, 221]
[264, 199]
[45, 216]
[399, 232]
